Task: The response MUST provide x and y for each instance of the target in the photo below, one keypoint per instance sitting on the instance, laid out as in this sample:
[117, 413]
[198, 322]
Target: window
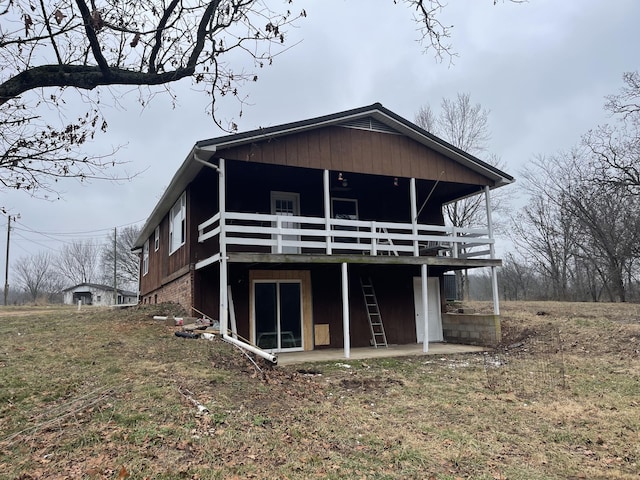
[177, 227]
[156, 240]
[145, 258]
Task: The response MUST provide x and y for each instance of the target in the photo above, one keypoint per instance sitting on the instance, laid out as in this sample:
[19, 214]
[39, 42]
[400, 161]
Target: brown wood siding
[394, 290]
[203, 193]
[162, 265]
[354, 150]
[393, 285]
[207, 291]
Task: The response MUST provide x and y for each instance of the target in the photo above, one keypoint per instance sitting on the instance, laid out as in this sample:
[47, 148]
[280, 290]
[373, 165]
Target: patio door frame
[278, 332]
[302, 276]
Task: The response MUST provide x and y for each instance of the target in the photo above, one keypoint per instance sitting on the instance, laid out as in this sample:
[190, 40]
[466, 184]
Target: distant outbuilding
[96, 294]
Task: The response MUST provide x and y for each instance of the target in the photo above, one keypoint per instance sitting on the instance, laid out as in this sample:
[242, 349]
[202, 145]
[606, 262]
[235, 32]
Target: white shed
[96, 294]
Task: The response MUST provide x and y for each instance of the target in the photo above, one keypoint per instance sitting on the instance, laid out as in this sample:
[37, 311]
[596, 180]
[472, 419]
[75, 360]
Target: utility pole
[6, 267]
[115, 266]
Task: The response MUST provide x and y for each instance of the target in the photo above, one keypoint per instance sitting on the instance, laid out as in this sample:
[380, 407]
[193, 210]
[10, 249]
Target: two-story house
[327, 232]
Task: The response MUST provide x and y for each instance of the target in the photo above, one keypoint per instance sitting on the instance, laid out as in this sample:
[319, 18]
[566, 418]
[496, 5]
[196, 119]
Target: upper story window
[177, 224]
[145, 258]
[156, 239]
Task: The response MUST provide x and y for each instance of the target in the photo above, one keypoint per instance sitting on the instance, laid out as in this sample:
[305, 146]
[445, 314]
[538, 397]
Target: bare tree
[51, 49]
[627, 101]
[544, 231]
[615, 148]
[78, 261]
[582, 235]
[35, 275]
[517, 278]
[466, 126]
[127, 263]
[609, 232]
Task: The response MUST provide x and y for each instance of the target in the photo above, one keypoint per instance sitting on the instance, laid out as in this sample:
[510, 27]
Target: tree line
[578, 236]
[43, 276]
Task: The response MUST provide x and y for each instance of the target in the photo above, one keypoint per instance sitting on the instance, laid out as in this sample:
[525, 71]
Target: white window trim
[181, 203]
[156, 240]
[145, 257]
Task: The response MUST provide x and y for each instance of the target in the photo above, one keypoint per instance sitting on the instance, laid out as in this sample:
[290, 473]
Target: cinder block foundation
[472, 329]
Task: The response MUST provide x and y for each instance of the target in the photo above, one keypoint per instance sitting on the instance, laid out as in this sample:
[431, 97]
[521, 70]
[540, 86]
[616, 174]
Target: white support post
[425, 307]
[374, 239]
[414, 214]
[345, 311]
[492, 250]
[327, 209]
[224, 305]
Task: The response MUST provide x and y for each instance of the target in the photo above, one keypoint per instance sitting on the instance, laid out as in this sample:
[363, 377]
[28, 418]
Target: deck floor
[336, 354]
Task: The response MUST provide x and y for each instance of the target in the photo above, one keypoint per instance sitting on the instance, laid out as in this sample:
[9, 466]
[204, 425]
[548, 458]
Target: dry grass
[100, 394]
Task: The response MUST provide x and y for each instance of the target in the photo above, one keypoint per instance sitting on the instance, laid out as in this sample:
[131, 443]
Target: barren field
[104, 394]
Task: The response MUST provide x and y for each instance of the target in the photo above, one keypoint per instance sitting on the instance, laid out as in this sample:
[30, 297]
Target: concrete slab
[331, 355]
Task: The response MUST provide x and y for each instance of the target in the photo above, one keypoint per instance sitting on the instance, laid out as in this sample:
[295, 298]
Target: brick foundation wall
[179, 291]
[472, 329]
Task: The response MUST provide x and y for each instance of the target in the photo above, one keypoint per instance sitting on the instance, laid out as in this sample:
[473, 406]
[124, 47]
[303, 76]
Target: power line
[85, 232]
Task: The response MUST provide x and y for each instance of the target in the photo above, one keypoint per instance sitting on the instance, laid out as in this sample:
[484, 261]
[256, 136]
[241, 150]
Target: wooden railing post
[278, 234]
[454, 233]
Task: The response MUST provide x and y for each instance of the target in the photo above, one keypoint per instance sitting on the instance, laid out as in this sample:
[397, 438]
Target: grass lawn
[104, 394]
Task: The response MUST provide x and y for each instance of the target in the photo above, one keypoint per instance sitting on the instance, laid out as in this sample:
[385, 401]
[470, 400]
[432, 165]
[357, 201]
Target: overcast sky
[541, 68]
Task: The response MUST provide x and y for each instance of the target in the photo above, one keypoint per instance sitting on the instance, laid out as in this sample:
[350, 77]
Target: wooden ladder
[378, 337]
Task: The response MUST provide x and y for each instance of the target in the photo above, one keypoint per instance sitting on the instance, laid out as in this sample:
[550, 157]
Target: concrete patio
[337, 354]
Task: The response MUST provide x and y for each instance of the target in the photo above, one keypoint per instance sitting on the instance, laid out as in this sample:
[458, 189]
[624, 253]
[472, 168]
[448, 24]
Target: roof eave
[181, 179]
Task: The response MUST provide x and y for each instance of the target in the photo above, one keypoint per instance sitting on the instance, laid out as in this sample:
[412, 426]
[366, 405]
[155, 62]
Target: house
[96, 294]
[323, 233]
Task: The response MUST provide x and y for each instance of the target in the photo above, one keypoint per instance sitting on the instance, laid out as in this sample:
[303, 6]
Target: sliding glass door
[278, 314]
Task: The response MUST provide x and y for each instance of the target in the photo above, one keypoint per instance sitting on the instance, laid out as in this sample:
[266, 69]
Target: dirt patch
[369, 384]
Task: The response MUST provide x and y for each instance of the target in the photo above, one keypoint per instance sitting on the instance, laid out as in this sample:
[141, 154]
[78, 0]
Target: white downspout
[224, 282]
[224, 299]
[492, 250]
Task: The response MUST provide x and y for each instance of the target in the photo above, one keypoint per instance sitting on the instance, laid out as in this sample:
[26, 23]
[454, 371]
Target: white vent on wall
[369, 123]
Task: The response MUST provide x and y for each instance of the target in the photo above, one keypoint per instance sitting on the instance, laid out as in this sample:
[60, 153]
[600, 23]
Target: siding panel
[353, 150]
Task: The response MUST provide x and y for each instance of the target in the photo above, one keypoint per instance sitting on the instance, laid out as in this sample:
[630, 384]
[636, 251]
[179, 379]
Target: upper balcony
[305, 236]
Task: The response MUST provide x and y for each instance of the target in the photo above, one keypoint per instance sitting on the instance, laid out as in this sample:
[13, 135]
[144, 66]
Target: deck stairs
[378, 335]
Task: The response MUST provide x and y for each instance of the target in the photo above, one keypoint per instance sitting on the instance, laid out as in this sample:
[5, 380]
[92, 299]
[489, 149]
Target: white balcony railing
[297, 234]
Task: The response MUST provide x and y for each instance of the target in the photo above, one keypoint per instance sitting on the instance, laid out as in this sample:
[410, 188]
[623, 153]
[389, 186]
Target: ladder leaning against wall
[378, 336]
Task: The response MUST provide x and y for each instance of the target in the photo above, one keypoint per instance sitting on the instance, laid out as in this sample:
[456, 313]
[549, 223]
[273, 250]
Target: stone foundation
[471, 329]
[179, 291]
